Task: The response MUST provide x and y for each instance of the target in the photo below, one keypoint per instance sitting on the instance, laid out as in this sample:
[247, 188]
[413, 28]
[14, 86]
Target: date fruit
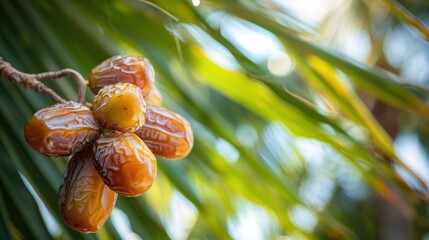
[120, 107]
[85, 201]
[124, 163]
[113, 144]
[61, 129]
[167, 134]
[118, 69]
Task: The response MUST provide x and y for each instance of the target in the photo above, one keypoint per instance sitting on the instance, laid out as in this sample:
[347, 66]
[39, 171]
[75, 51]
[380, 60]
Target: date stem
[35, 83]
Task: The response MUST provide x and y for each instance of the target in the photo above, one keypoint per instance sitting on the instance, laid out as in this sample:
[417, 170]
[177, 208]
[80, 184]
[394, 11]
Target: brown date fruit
[154, 97]
[117, 69]
[85, 201]
[120, 107]
[124, 163]
[61, 129]
[167, 134]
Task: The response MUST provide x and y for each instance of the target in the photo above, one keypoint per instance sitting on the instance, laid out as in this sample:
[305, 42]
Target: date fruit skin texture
[124, 163]
[61, 129]
[154, 97]
[85, 201]
[167, 134]
[132, 69]
[120, 107]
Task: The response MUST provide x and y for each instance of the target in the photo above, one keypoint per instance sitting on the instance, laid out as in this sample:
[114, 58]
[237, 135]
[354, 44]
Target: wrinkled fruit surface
[118, 69]
[167, 134]
[85, 201]
[61, 129]
[124, 163]
[120, 107]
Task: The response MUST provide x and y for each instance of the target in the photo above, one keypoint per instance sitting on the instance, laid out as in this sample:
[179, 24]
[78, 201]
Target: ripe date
[167, 134]
[61, 129]
[120, 107]
[124, 163]
[85, 201]
[117, 69]
[113, 144]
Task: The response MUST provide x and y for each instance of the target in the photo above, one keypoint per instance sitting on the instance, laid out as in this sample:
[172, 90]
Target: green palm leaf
[302, 151]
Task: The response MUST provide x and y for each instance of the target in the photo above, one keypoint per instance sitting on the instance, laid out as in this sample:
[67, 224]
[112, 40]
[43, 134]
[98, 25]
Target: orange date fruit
[124, 163]
[154, 97]
[85, 201]
[120, 107]
[167, 134]
[118, 69]
[61, 129]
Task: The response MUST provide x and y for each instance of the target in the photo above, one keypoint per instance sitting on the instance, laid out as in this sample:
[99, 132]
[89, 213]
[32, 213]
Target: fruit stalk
[34, 82]
[67, 72]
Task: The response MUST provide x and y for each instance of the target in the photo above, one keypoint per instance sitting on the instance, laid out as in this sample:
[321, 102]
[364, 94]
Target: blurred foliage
[299, 149]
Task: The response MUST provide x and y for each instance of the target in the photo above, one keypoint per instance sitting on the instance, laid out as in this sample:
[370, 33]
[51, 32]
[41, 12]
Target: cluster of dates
[113, 144]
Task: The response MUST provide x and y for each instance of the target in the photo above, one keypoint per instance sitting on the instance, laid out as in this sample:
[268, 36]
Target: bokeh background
[309, 116]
